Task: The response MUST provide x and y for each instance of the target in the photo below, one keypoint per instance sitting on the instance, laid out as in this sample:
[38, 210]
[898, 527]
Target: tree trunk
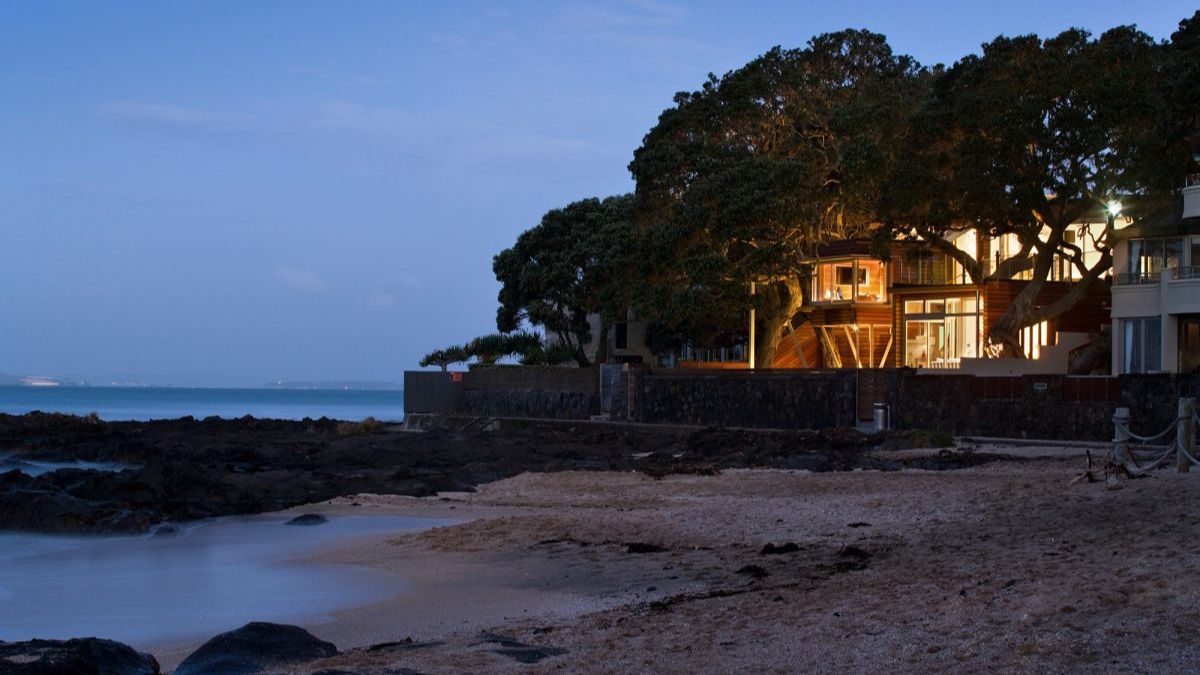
[781, 302]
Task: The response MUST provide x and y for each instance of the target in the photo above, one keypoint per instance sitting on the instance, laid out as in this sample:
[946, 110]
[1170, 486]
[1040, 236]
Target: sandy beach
[1007, 566]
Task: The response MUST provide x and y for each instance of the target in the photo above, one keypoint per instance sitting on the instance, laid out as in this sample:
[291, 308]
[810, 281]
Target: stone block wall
[1051, 407]
[765, 399]
[528, 391]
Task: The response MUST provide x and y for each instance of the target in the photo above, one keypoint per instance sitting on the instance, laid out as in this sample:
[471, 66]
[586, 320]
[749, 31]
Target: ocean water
[147, 403]
[211, 577]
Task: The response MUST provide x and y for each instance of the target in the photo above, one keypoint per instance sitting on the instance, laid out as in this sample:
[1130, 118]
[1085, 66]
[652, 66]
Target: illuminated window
[940, 332]
[1034, 337]
[847, 280]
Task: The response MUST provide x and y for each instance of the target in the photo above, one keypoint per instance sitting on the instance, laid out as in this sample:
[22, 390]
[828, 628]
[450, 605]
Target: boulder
[308, 519]
[255, 648]
[80, 656]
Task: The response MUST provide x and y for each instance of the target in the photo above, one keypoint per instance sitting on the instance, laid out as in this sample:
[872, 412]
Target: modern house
[921, 309]
[1156, 291]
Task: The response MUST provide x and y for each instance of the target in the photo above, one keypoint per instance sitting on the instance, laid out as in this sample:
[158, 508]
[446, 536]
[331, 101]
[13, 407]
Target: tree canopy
[743, 178]
[1025, 140]
[575, 262]
[740, 180]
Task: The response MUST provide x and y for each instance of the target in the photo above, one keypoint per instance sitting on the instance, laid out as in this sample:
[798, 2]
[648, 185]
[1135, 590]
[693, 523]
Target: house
[921, 309]
[1156, 291]
[917, 308]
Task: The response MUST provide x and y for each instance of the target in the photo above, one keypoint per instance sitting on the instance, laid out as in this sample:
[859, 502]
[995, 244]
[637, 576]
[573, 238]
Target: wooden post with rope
[1121, 436]
[1185, 435]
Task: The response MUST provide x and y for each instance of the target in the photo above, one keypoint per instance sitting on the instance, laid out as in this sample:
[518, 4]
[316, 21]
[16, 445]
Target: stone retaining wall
[528, 391]
[765, 399]
[1053, 407]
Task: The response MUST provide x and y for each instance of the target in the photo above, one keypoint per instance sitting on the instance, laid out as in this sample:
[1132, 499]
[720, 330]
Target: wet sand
[1003, 567]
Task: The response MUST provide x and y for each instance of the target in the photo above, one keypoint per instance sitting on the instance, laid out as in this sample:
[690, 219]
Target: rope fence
[1138, 454]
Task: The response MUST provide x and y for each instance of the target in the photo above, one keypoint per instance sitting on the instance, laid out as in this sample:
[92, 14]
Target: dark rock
[308, 519]
[641, 547]
[81, 656]
[753, 571]
[255, 648]
[772, 549]
[519, 651]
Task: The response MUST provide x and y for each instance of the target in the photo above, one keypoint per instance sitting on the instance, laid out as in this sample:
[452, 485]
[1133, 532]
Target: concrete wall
[766, 399]
[526, 391]
[431, 391]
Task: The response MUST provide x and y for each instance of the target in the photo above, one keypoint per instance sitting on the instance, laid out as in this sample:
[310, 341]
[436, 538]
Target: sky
[230, 193]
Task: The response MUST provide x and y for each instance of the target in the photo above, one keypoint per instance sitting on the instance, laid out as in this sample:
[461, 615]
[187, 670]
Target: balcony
[1169, 291]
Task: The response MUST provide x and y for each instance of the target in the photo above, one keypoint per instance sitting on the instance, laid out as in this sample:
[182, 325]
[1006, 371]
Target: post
[752, 322]
[1121, 436]
[1185, 435]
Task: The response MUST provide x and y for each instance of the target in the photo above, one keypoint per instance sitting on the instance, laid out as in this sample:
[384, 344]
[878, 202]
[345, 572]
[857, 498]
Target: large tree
[575, 262]
[742, 179]
[1026, 139]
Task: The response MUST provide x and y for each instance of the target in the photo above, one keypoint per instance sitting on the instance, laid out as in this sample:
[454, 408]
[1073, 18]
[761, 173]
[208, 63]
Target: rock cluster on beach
[257, 647]
[189, 469]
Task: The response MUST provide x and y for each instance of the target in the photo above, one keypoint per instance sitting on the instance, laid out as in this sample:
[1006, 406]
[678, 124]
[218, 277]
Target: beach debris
[772, 549]
[308, 519]
[859, 524]
[255, 648]
[1087, 474]
[519, 651]
[81, 655]
[407, 644]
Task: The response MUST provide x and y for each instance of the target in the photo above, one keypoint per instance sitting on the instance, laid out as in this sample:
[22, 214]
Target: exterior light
[1114, 208]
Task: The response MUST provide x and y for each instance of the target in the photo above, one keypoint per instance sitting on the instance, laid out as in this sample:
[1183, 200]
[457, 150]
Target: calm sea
[147, 403]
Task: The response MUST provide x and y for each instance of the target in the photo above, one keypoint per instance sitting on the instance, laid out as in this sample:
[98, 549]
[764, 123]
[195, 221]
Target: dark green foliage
[741, 179]
[554, 354]
[1026, 139]
[443, 358]
[575, 262]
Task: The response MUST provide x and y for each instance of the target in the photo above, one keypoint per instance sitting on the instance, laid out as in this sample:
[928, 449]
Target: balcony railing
[1193, 179]
[1142, 278]
[1136, 278]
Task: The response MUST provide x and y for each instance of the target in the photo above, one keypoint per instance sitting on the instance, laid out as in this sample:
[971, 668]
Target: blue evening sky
[226, 193]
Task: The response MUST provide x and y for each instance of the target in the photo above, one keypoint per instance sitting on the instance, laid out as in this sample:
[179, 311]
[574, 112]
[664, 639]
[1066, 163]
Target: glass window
[1141, 349]
[1195, 261]
[872, 281]
[1173, 253]
[1189, 344]
[1152, 256]
[916, 344]
[835, 281]
[1135, 256]
[940, 332]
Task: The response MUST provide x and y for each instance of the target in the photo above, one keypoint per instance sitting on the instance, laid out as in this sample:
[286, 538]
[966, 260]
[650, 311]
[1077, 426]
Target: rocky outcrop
[190, 469]
[257, 647]
[81, 656]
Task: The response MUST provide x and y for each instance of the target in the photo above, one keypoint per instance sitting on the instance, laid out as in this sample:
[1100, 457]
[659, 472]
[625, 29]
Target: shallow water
[211, 577]
[34, 468]
[158, 403]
